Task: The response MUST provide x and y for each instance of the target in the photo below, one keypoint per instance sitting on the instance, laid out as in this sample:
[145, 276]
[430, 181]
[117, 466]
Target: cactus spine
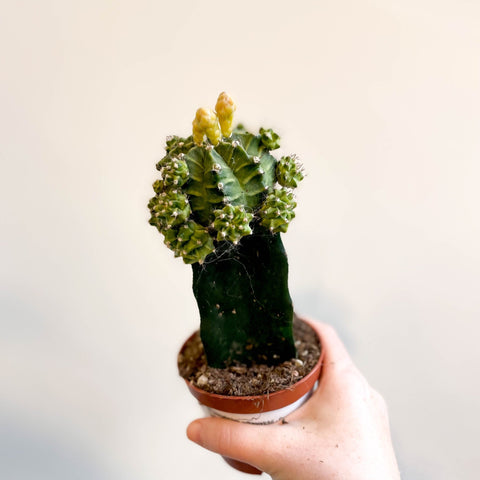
[221, 204]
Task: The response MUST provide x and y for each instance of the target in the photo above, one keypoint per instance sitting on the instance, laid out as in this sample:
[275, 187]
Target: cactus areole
[221, 202]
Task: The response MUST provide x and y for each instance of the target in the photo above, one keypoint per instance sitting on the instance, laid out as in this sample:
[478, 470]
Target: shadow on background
[30, 453]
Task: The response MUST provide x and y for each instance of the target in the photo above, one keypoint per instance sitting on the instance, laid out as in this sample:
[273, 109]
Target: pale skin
[341, 433]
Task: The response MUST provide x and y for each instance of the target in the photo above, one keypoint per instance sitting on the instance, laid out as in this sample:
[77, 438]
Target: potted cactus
[221, 202]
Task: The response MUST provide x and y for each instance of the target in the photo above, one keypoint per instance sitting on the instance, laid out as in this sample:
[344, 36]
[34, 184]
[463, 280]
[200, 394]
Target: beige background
[381, 101]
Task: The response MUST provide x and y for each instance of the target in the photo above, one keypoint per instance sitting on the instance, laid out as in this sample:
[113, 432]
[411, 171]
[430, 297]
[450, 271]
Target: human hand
[342, 432]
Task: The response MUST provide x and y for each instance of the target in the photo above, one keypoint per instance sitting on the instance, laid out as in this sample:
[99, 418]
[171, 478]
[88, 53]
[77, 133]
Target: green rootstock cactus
[221, 204]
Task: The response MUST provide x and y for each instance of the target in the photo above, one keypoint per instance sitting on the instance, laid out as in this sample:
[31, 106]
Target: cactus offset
[221, 202]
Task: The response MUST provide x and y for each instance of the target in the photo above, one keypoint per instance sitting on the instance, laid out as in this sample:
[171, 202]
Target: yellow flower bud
[225, 108]
[206, 122]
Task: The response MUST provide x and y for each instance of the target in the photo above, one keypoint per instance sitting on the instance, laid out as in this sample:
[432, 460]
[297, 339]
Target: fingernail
[193, 432]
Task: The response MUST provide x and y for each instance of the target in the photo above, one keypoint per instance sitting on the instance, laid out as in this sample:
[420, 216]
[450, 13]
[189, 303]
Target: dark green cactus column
[221, 205]
[244, 303]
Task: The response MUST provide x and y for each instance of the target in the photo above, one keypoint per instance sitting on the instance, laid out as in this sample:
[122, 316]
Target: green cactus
[221, 205]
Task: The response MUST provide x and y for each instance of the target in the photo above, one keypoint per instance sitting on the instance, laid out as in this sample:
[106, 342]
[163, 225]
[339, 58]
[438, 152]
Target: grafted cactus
[221, 203]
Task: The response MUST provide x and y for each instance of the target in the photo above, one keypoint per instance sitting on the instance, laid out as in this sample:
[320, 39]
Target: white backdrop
[381, 101]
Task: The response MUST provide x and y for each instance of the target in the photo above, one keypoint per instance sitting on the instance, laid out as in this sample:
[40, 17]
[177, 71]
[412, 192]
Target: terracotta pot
[258, 409]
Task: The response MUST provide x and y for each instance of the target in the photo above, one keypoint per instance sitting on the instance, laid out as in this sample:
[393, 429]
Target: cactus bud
[169, 211]
[289, 172]
[278, 210]
[191, 241]
[206, 123]
[269, 139]
[173, 172]
[225, 109]
[232, 223]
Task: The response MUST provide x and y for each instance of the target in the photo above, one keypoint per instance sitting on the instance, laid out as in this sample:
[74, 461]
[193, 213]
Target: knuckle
[224, 438]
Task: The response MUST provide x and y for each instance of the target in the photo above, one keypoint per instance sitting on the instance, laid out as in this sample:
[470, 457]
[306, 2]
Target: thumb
[241, 441]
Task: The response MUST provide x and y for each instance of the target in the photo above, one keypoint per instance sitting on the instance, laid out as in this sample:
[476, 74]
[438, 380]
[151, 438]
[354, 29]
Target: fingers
[232, 439]
[340, 379]
[335, 350]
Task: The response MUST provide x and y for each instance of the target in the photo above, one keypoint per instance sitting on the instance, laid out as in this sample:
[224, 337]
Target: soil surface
[259, 379]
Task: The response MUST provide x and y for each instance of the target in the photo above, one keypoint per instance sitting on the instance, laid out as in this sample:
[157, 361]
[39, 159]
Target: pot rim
[260, 403]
